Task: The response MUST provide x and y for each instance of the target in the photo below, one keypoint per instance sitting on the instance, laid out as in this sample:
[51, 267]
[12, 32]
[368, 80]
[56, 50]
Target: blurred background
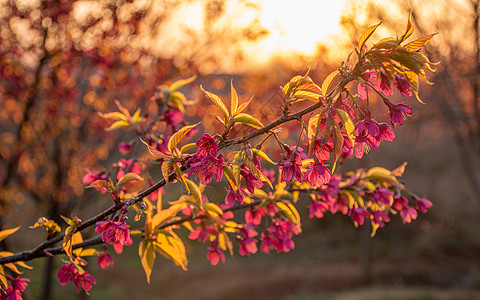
[62, 61]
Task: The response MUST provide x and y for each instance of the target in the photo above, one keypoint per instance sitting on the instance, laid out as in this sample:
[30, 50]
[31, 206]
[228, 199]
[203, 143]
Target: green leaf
[328, 81]
[248, 119]
[217, 101]
[146, 252]
[347, 124]
[177, 136]
[5, 233]
[233, 100]
[366, 35]
[180, 83]
[263, 155]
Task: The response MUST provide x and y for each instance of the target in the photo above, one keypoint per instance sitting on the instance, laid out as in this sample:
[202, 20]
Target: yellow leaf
[193, 190]
[5, 233]
[347, 124]
[217, 101]
[243, 106]
[154, 151]
[166, 166]
[212, 207]
[187, 147]
[399, 170]
[312, 130]
[233, 100]
[337, 144]
[366, 35]
[166, 214]
[409, 30]
[417, 44]
[118, 124]
[328, 81]
[24, 265]
[263, 155]
[3, 279]
[13, 268]
[171, 247]
[88, 252]
[181, 83]
[257, 173]
[114, 116]
[128, 177]
[177, 136]
[146, 252]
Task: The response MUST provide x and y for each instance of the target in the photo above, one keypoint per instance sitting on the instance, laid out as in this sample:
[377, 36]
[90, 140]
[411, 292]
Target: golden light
[296, 26]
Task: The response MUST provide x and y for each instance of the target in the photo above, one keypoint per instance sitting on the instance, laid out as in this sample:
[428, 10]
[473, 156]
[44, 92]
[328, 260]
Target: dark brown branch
[40, 251]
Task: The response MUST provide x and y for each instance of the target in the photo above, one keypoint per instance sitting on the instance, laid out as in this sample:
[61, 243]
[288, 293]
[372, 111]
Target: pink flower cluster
[68, 273]
[15, 289]
[206, 162]
[115, 233]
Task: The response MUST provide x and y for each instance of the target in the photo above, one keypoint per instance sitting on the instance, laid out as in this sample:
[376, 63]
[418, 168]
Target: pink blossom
[173, 117]
[114, 233]
[215, 253]
[380, 217]
[68, 273]
[403, 86]
[357, 214]
[251, 182]
[104, 260]
[398, 112]
[207, 167]
[92, 176]
[317, 175]
[248, 245]
[317, 209]
[322, 153]
[254, 216]
[124, 148]
[408, 214]
[232, 197]
[291, 168]
[382, 196]
[423, 204]
[206, 146]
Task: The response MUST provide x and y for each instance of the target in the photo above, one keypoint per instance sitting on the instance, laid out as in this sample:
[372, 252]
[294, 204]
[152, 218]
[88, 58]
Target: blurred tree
[60, 63]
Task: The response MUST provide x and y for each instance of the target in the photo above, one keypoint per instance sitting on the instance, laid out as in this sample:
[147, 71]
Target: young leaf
[154, 151]
[177, 136]
[337, 144]
[234, 100]
[232, 179]
[166, 166]
[5, 233]
[248, 119]
[243, 106]
[408, 31]
[312, 131]
[146, 252]
[366, 35]
[128, 177]
[187, 147]
[328, 81]
[193, 189]
[347, 124]
[181, 83]
[417, 44]
[217, 101]
[263, 155]
[256, 172]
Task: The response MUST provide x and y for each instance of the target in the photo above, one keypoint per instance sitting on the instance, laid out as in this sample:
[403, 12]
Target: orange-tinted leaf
[177, 136]
[409, 30]
[398, 172]
[155, 152]
[146, 252]
[243, 106]
[128, 177]
[217, 101]
[347, 124]
[181, 83]
[328, 81]
[166, 166]
[263, 155]
[417, 44]
[337, 144]
[256, 172]
[233, 100]
[366, 35]
[5, 233]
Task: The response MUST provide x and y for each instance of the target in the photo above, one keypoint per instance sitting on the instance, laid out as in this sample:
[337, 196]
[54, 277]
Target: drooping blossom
[382, 196]
[317, 209]
[380, 84]
[254, 215]
[251, 182]
[322, 153]
[234, 196]
[68, 273]
[317, 175]
[104, 259]
[215, 254]
[248, 245]
[403, 86]
[423, 204]
[397, 112]
[15, 289]
[208, 167]
[357, 214]
[379, 217]
[408, 214]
